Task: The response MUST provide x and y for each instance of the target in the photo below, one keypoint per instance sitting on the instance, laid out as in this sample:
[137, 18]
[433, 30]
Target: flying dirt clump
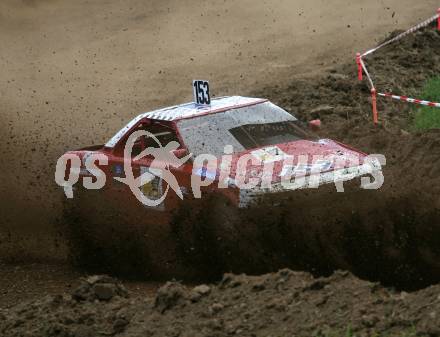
[285, 303]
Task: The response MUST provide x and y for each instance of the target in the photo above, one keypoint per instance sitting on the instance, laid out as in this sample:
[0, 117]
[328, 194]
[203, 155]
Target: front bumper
[248, 197]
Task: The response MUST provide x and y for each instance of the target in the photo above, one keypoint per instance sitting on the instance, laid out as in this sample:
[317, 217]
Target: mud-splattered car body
[249, 126]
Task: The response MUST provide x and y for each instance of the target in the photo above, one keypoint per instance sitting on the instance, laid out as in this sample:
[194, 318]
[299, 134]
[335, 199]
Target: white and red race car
[241, 147]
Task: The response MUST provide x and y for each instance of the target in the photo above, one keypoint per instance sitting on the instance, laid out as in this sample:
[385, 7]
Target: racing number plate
[201, 92]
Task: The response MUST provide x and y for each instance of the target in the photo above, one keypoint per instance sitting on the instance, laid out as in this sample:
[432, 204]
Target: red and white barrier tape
[362, 68]
[402, 35]
[365, 70]
[411, 100]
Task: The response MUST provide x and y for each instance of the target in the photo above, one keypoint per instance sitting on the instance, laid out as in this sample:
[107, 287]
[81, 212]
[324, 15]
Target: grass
[428, 117]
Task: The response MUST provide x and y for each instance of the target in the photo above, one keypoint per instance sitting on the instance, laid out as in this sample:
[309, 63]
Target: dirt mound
[280, 304]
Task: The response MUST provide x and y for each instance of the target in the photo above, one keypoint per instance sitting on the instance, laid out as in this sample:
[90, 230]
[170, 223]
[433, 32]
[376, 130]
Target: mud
[280, 304]
[382, 236]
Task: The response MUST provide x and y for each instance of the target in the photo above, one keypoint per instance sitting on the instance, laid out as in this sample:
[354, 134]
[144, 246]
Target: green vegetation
[428, 117]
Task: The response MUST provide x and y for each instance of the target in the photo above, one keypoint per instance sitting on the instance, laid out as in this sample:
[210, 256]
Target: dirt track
[73, 72]
[86, 84]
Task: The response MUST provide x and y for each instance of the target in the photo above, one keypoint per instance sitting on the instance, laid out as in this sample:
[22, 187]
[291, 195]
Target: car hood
[300, 156]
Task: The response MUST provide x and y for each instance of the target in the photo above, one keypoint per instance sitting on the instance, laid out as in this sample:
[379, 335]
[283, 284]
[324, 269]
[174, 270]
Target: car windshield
[258, 135]
[244, 128]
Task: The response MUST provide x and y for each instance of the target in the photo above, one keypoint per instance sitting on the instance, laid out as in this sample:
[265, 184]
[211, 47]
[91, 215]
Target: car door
[166, 172]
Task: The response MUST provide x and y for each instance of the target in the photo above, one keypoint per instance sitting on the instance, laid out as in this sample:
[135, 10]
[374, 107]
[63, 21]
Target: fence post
[438, 19]
[374, 102]
[359, 64]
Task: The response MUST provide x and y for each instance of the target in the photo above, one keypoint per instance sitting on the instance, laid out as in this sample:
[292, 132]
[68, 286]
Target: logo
[164, 158]
[263, 171]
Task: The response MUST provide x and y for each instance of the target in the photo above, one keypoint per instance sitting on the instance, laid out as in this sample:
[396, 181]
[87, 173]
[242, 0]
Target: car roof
[188, 110]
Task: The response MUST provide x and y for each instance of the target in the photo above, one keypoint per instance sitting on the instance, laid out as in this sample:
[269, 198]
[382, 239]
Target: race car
[241, 148]
[257, 139]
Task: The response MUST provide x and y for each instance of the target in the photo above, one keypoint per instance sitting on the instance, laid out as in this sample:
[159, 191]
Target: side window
[163, 133]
